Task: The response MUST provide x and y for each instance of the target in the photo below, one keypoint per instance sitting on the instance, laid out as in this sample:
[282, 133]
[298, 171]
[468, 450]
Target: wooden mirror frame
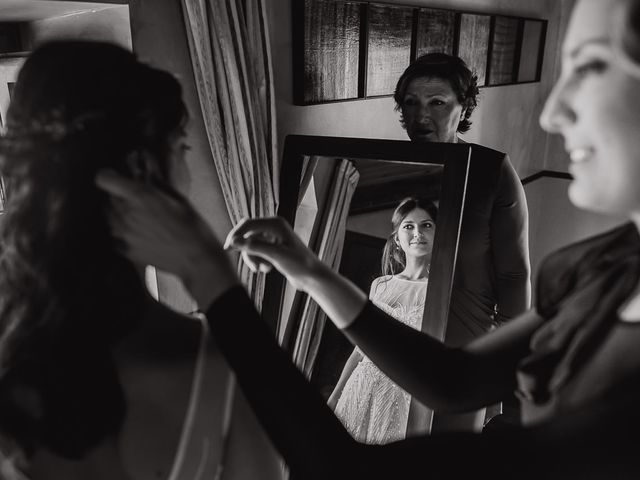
[455, 159]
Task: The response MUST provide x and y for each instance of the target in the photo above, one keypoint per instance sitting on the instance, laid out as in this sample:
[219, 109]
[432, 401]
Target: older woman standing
[436, 95]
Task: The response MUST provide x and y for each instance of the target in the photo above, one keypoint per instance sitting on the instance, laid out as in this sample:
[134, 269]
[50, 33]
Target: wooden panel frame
[446, 38]
[390, 43]
[327, 53]
[298, 15]
[468, 40]
[454, 157]
[504, 50]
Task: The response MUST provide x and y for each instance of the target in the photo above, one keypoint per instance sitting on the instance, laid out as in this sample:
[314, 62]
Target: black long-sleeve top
[596, 441]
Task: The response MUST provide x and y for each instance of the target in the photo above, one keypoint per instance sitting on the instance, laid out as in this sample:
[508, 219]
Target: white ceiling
[28, 10]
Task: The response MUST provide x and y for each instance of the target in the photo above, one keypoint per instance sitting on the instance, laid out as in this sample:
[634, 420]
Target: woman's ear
[143, 166]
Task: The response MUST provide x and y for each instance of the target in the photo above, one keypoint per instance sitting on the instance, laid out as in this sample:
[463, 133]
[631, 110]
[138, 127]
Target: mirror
[340, 194]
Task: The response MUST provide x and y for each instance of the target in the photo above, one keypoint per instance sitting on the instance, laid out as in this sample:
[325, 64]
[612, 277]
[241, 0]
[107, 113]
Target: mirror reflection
[374, 221]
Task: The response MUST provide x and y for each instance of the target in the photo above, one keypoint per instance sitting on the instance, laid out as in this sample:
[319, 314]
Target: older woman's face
[431, 111]
[595, 105]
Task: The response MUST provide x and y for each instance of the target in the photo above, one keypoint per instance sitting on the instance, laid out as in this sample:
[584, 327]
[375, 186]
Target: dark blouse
[597, 441]
[492, 273]
[583, 351]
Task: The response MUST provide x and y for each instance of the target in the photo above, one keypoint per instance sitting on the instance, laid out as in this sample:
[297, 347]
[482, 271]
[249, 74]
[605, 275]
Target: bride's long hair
[66, 295]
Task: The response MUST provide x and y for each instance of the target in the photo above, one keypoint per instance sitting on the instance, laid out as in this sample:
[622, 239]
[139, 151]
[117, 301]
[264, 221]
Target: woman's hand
[266, 242]
[273, 241]
[159, 227]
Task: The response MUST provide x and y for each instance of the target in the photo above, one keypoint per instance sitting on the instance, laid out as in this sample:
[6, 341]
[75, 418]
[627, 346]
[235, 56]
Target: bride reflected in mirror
[370, 405]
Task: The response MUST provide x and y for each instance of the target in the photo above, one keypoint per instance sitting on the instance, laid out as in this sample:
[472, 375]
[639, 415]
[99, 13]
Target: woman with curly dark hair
[436, 96]
[97, 380]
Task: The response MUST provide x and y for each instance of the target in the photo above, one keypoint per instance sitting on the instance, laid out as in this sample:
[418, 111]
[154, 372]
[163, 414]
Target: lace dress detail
[372, 407]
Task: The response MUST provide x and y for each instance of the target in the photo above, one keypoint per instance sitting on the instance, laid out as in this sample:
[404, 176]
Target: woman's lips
[578, 155]
[424, 132]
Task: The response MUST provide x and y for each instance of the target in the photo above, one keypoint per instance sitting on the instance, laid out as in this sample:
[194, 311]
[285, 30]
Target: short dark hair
[446, 67]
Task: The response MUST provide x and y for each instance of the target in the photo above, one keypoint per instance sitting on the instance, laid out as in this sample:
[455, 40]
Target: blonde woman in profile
[370, 405]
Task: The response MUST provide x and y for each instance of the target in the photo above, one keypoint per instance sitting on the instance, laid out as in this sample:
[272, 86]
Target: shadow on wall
[556, 222]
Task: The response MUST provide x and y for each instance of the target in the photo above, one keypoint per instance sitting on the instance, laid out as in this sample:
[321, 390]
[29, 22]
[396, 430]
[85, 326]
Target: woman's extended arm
[349, 367]
[596, 442]
[443, 378]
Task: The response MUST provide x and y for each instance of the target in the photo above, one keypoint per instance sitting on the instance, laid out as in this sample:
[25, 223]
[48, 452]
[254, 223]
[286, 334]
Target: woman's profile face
[430, 110]
[595, 105]
[179, 176]
[416, 233]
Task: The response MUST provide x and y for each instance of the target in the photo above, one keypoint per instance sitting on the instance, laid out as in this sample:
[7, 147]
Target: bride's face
[416, 233]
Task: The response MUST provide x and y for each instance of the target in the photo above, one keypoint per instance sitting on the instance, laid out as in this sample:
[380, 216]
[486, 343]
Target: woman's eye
[437, 102]
[408, 227]
[595, 66]
[428, 225]
[409, 101]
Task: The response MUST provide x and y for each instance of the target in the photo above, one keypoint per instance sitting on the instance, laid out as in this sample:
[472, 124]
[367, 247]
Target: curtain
[229, 47]
[329, 250]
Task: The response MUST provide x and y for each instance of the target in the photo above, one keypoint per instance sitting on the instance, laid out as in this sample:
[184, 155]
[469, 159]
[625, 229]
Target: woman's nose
[558, 112]
[424, 111]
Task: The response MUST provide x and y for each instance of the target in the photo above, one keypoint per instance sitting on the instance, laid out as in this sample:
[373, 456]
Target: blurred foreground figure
[97, 380]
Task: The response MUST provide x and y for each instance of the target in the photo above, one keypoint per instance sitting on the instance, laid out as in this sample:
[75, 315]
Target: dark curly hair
[393, 259]
[66, 295]
[446, 67]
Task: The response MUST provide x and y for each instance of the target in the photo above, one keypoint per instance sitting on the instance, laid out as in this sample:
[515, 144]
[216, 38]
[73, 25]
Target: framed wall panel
[389, 47]
[473, 43]
[355, 49]
[435, 31]
[331, 51]
[531, 50]
[504, 52]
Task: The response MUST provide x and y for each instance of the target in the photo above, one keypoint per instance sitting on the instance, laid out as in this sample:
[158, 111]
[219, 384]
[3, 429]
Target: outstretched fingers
[273, 230]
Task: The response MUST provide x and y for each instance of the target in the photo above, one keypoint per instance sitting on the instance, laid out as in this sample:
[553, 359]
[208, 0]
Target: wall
[159, 37]
[555, 222]
[507, 118]
[376, 224]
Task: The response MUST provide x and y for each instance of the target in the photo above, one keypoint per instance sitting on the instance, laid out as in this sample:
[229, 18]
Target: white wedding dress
[372, 407]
